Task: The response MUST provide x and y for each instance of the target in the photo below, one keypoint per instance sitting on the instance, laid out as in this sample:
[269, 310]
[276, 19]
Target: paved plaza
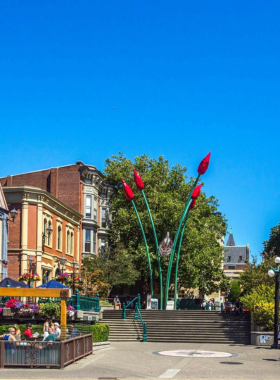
[151, 361]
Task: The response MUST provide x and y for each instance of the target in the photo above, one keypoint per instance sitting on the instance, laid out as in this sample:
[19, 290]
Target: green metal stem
[178, 257]
[175, 242]
[146, 245]
[158, 254]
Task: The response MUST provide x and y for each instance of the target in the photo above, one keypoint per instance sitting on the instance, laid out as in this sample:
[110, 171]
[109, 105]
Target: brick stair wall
[179, 326]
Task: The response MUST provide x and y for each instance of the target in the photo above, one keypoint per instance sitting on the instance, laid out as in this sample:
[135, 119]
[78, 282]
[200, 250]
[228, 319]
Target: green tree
[272, 245]
[167, 189]
[256, 275]
[114, 267]
[235, 291]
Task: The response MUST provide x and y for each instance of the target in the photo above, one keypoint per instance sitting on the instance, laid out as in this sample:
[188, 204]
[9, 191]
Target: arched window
[71, 243]
[68, 242]
[49, 235]
[45, 226]
[59, 238]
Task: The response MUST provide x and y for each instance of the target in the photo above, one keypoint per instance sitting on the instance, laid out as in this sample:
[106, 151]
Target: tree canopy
[167, 189]
[256, 275]
[272, 245]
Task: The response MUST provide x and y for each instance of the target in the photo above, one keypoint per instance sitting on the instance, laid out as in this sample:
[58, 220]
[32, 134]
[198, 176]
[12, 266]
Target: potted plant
[30, 310]
[51, 309]
[63, 277]
[23, 277]
[70, 311]
[35, 277]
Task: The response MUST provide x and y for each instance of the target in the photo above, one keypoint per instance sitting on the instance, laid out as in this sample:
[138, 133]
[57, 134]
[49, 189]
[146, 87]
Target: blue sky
[82, 80]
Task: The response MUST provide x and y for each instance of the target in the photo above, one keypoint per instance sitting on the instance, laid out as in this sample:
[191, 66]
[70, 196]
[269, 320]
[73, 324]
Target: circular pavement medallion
[196, 354]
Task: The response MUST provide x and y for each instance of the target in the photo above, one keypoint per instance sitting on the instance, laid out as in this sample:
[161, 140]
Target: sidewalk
[141, 360]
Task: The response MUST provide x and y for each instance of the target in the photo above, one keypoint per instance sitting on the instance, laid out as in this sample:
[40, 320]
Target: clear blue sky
[82, 80]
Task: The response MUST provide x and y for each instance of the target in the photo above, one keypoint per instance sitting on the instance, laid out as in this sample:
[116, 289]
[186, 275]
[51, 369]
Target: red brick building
[82, 188]
[44, 230]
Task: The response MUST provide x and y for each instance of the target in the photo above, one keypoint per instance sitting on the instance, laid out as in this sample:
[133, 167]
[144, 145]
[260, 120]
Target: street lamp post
[275, 272]
[63, 262]
[30, 261]
[74, 263]
[49, 230]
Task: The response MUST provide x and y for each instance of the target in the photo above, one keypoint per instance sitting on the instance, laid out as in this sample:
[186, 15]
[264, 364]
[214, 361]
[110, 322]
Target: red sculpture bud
[192, 204]
[127, 191]
[138, 180]
[196, 192]
[203, 166]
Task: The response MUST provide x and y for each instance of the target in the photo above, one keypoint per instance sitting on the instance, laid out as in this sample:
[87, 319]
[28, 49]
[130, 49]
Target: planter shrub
[35, 328]
[100, 333]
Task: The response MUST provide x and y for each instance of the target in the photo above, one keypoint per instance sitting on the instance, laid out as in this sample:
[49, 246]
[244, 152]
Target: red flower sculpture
[127, 191]
[196, 192]
[192, 204]
[203, 166]
[138, 180]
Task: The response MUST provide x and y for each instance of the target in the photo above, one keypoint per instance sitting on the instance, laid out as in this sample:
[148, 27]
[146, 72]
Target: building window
[71, 243]
[59, 238]
[229, 258]
[46, 276]
[88, 206]
[102, 247]
[68, 242]
[240, 258]
[95, 209]
[231, 267]
[45, 226]
[49, 235]
[94, 242]
[87, 240]
[104, 217]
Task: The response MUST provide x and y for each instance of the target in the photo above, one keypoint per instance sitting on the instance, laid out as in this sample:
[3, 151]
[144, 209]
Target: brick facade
[71, 184]
[37, 209]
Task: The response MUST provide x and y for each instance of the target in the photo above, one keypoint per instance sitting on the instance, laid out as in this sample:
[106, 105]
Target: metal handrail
[137, 313]
[138, 299]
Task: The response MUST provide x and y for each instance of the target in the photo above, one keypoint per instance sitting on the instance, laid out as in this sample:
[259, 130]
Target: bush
[35, 328]
[261, 305]
[100, 333]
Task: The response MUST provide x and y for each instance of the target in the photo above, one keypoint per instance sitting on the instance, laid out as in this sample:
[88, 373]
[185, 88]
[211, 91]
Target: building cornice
[35, 195]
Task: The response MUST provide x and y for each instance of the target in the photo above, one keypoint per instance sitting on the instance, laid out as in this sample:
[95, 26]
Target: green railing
[136, 316]
[84, 303]
[137, 301]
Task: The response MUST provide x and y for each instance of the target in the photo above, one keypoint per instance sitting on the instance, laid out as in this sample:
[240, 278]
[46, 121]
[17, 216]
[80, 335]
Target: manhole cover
[196, 354]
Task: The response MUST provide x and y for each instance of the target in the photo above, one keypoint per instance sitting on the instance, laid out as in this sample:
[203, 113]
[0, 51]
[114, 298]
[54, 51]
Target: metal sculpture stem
[175, 242]
[178, 257]
[158, 254]
[146, 245]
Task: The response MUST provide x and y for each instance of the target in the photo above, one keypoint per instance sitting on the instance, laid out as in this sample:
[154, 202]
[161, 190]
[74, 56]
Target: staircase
[199, 326]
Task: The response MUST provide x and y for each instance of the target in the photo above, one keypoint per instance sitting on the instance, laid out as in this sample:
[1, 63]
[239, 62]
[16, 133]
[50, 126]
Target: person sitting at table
[73, 331]
[57, 330]
[51, 337]
[117, 302]
[10, 336]
[18, 332]
[28, 333]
